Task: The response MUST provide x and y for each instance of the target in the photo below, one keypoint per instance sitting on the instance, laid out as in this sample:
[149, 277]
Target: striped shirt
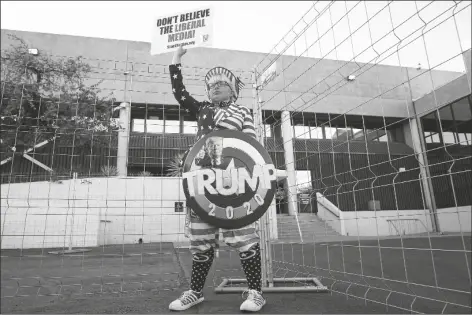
[210, 117]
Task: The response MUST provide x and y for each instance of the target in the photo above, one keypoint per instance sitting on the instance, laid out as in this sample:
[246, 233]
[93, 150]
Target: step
[287, 230]
[307, 234]
[307, 221]
[310, 226]
[307, 227]
[325, 232]
[295, 231]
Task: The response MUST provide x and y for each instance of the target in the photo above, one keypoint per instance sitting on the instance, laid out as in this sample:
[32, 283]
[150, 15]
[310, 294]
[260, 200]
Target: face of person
[215, 147]
[220, 92]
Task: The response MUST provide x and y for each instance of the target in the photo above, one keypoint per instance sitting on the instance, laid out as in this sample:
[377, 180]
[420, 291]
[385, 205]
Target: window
[268, 131]
[343, 133]
[330, 132]
[150, 125]
[308, 132]
[301, 132]
[432, 137]
[427, 137]
[357, 134]
[449, 126]
[448, 137]
[316, 132]
[350, 128]
[464, 138]
[190, 127]
[138, 125]
[370, 134]
[154, 125]
[303, 179]
[171, 122]
[172, 126]
[383, 138]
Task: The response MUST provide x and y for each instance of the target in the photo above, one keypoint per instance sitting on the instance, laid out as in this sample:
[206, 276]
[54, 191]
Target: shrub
[107, 170]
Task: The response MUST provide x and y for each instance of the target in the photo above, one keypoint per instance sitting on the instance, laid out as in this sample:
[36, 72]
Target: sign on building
[179, 206]
[190, 28]
[268, 75]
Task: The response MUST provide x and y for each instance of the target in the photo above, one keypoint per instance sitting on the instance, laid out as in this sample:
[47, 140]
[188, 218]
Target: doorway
[280, 197]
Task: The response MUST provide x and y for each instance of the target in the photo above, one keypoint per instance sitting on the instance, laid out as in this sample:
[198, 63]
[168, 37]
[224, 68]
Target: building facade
[395, 138]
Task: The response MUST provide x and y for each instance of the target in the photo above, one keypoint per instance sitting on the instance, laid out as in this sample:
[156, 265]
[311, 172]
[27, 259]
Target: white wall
[392, 222]
[40, 214]
[373, 223]
[455, 219]
[329, 213]
[386, 222]
[46, 215]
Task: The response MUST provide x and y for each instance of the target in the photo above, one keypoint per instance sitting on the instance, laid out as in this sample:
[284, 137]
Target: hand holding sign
[180, 51]
[178, 55]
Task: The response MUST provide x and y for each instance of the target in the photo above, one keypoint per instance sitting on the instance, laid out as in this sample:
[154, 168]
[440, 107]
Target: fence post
[264, 228]
[123, 139]
[74, 197]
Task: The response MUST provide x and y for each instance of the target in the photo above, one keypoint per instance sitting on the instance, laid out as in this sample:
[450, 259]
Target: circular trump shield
[229, 179]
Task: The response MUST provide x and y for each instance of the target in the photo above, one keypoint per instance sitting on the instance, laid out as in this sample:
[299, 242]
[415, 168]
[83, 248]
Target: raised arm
[178, 88]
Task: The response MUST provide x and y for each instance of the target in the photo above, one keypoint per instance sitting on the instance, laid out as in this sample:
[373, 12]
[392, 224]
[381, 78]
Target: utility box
[373, 205]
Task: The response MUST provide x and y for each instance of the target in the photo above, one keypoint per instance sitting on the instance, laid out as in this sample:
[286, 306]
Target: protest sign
[229, 179]
[190, 28]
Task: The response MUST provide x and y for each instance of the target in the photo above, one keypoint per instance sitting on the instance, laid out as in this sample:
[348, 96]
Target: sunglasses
[218, 84]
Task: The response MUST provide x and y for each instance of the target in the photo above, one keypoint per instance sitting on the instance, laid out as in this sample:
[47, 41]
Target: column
[467, 61]
[123, 139]
[287, 137]
[418, 146]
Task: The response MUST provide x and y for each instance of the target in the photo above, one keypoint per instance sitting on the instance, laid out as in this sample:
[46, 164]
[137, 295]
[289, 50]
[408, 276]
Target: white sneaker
[186, 300]
[254, 301]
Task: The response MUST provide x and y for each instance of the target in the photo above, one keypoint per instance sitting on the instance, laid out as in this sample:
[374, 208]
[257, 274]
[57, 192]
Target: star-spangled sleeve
[180, 92]
[248, 124]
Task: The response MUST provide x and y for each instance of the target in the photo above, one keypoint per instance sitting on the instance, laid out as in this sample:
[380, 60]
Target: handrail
[328, 205]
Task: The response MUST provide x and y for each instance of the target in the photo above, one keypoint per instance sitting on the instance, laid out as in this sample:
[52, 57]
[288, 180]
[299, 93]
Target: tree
[46, 97]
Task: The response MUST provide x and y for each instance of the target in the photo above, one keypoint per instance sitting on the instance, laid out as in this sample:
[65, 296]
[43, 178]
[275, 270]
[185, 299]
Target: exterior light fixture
[351, 77]
[33, 51]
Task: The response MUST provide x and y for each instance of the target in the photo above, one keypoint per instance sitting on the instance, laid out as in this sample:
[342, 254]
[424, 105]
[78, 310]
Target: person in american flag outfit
[220, 112]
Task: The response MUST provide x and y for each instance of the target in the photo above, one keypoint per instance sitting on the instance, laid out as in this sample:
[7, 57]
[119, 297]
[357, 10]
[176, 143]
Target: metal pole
[420, 150]
[74, 195]
[123, 139]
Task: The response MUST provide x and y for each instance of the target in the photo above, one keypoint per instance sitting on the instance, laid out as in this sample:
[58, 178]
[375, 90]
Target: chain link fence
[372, 152]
